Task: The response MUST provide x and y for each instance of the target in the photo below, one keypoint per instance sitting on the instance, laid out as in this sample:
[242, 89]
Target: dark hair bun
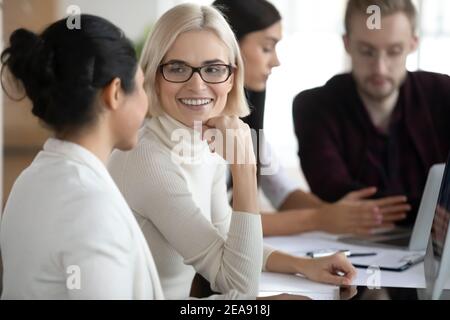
[18, 57]
[30, 62]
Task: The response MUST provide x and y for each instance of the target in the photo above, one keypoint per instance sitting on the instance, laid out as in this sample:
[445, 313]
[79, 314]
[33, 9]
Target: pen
[348, 253]
[366, 254]
[326, 253]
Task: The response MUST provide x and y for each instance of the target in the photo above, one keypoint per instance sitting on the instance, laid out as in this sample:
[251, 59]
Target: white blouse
[67, 233]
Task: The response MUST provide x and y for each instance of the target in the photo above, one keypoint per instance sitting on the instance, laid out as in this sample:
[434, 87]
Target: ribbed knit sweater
[177, 190]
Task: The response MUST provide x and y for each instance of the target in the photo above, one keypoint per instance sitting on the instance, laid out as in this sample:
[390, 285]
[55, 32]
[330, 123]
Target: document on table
[390, 260]
[277, 283]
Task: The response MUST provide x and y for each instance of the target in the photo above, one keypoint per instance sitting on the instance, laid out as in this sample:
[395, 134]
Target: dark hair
[63, 69]
[246, 16]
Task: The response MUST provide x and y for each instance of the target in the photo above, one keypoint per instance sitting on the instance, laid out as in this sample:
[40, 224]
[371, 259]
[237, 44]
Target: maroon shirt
[341, 150]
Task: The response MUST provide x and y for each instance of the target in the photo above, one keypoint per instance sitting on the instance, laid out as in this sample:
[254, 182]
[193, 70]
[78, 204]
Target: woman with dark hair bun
[257, 26]
[67, 232]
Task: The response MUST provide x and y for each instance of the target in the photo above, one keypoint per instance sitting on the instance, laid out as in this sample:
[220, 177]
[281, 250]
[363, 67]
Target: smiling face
[195, 100]
[260, 57]
[379, 56]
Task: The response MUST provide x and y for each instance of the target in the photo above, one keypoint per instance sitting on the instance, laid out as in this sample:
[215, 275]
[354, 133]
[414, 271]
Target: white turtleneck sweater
[177, 190]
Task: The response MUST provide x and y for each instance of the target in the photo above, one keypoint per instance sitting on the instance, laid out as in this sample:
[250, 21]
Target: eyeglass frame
[230, 67]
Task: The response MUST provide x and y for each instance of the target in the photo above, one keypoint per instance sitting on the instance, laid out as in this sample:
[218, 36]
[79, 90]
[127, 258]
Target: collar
[183, 141]
[77, 153]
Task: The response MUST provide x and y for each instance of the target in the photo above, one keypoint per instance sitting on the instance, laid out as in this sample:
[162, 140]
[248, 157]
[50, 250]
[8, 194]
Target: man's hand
[356, 214]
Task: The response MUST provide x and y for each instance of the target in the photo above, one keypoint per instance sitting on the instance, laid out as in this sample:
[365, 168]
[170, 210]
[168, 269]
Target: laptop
[403, 238]
[437, 259]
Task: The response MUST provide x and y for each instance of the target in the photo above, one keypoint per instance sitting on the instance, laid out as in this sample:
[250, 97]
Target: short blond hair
[181, 19]
[387, 7]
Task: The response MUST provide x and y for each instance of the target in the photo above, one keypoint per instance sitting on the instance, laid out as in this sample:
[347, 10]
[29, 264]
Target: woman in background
[257, 26]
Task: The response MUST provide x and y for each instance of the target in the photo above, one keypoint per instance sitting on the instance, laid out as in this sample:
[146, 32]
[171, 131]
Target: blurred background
[311, 52]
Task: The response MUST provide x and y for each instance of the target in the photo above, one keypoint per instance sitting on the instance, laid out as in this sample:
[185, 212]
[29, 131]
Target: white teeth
[196, 102]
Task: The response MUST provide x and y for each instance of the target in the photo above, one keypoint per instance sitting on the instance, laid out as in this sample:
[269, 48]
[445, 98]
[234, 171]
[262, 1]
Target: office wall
[133, 17]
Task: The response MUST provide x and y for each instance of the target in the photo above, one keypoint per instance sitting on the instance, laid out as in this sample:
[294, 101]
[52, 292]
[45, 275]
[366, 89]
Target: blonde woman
[174, 183]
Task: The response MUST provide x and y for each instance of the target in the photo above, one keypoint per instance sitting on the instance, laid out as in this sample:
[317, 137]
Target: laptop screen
[441, 216]
[439, 230]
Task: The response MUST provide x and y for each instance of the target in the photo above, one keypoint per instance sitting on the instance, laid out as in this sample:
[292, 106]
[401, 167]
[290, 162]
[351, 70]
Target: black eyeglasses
[178, 72]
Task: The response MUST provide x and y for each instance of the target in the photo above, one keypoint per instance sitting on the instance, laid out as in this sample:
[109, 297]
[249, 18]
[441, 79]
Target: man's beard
[378, 95]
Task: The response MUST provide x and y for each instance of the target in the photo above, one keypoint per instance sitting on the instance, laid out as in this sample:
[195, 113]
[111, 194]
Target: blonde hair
[181, 19]
[387, 7]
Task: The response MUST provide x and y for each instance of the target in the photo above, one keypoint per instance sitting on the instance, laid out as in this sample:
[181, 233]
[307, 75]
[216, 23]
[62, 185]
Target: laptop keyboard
[400, 242]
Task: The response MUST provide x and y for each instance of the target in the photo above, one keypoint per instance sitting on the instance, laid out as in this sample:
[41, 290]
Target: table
[414, 277]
